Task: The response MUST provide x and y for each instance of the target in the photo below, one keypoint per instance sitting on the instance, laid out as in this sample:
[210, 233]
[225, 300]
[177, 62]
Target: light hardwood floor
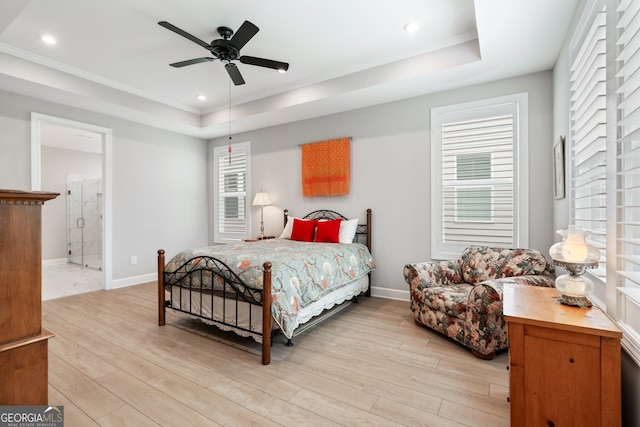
[110, 364]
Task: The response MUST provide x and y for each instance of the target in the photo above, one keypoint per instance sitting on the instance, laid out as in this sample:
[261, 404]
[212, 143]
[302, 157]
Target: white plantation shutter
[628, 145]
[231, 175]
[588, 104]
[605, 93]
[475, 188]
[477, 174]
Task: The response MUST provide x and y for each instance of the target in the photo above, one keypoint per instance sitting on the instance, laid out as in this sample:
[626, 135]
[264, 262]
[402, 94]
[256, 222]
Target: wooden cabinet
[564, 362]
[23, 342]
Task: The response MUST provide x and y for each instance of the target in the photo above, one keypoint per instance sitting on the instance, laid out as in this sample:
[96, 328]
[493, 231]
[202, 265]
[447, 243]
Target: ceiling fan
[227, 49]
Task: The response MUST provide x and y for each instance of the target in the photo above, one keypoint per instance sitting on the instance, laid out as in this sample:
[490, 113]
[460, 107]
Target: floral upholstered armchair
[462, 299]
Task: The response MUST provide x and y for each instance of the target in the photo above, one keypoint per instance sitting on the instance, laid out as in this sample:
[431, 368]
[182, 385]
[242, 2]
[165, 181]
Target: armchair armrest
[429, 274]
[485, 331]
[486, 297]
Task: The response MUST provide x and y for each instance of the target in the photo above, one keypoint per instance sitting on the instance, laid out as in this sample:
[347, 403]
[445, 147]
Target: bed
[281, 285]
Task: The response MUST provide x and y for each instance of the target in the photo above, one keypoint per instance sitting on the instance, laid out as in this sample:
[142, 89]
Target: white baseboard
[52, 262]
[135, 280]
[389, 293]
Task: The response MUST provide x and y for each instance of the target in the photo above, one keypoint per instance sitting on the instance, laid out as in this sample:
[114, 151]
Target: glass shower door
[84, 198]
[92, 223]
[75, 225]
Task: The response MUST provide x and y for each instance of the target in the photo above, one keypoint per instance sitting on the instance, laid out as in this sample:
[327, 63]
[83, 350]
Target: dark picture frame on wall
[558, 169]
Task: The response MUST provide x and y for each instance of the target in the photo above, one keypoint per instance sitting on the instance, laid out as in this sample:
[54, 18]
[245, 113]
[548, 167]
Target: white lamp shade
[261, 199]
[574, 248]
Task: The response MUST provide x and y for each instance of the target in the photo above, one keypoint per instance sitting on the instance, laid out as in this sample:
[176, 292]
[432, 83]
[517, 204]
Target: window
[477, 198]
[472, 204]
[588, 103]
[605, 152]
[628, 172]
[233, 208]
[231, 181]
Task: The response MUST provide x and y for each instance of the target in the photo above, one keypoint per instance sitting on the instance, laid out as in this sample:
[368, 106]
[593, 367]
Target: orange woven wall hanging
[326, 168]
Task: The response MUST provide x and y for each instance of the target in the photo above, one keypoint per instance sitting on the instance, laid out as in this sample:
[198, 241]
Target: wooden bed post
[161, 310]
[266, 314]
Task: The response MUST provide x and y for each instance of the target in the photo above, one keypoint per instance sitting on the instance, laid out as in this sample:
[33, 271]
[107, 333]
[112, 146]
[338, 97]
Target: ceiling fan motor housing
[223, 50]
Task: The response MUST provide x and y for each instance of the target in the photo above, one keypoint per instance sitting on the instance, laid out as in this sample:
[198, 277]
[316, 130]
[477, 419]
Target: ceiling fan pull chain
[229, 122]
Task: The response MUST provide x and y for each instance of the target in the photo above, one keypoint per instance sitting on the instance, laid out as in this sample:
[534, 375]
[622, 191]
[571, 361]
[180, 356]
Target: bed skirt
[248, 317]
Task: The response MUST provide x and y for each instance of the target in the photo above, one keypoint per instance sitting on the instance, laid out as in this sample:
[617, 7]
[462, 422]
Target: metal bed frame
[236, 291]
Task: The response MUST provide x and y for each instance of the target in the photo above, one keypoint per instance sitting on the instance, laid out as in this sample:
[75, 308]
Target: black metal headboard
[363, 232]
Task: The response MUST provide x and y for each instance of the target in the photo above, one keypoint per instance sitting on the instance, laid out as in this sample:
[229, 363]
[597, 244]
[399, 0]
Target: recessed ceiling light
[282, 70]
[48, 39]
[411, 27]
[202, 97]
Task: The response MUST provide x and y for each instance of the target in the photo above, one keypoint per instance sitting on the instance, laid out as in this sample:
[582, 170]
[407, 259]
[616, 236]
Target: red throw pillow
[303, 230]
[328, 231]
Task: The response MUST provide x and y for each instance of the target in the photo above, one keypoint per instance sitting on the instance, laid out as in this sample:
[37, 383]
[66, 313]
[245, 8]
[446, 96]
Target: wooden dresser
[564, 362]
[23, 342]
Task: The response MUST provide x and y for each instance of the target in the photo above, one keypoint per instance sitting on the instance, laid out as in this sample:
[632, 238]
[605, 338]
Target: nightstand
[564, 361]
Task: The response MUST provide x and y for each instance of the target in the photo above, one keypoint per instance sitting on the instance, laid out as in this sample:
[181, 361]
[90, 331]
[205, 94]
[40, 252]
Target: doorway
[85, 214]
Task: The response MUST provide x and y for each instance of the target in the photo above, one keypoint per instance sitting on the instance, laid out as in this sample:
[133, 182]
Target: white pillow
[286, 233]
[348, 230]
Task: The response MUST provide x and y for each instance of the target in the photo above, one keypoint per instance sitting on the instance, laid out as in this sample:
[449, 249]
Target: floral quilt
[302, 272]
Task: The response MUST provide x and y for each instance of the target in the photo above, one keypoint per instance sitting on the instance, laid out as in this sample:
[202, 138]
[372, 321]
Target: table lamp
[575, 255]
[262, 199]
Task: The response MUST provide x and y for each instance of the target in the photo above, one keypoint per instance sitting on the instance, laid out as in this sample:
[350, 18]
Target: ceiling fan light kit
[227, 49]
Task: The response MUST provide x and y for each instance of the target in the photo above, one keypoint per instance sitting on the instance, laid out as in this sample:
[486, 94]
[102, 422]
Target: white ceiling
[112, 56]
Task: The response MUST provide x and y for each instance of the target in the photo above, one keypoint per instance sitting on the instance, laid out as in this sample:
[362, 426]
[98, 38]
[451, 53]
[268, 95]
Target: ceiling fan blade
[234, 73]
[191, 61]
[261, 62]
[245, 33]
[184, 34]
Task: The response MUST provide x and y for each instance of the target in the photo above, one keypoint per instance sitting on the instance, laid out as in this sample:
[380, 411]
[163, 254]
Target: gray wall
[159, 181]
[56, 164]
[391, 171]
